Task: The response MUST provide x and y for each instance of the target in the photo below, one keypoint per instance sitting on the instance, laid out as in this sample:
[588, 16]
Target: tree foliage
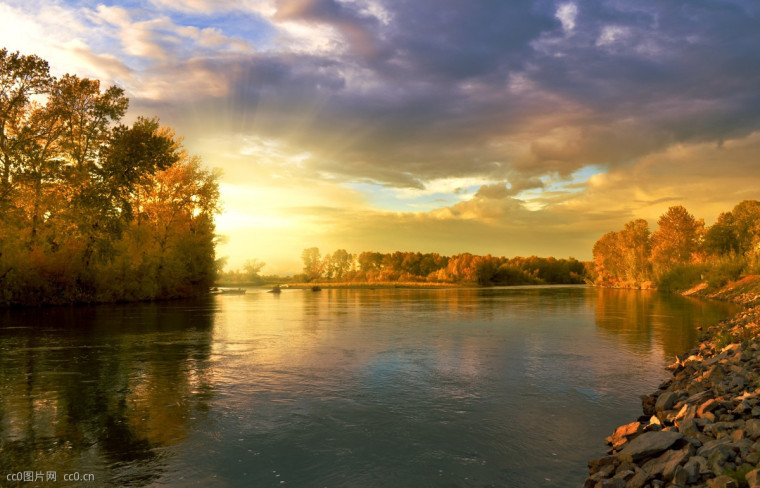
[91, 209]
[677, 240]
[467, 268]
[681, 250]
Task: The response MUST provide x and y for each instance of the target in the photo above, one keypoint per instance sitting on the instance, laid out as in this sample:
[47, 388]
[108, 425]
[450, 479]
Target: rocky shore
[702, 426]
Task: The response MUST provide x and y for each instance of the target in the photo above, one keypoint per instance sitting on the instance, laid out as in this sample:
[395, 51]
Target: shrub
[682, 277]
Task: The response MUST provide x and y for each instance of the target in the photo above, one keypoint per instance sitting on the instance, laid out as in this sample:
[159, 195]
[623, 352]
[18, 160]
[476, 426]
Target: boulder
[650, 443]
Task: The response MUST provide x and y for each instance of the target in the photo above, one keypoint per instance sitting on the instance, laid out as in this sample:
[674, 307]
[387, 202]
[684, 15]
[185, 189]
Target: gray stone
[680, 476]
[718, 457]
[665, 401]
[650, 443]
[694, 467]
[613, 483]
[638, 480]
[688, 427]
[709, 446]
[596, 464]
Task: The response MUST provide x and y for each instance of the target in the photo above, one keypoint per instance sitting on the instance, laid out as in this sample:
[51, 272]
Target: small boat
[316, 288]
[275, 289]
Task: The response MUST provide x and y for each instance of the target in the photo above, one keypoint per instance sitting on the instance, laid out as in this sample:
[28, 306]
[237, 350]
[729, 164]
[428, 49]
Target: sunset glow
[510, 128]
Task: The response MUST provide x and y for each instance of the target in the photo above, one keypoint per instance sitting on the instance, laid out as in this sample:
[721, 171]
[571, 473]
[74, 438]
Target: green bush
[682, 277]
[725, 269]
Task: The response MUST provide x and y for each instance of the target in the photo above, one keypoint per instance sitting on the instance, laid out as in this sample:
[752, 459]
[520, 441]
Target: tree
[91, 210]
[677, 240]
[608, 258]
[312, 263]
[252, 268]
[636, 249]
[341, 263]
[721, 237]
[746, 223]
[21, 77]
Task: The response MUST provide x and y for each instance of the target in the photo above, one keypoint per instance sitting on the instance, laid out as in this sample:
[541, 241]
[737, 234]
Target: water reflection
[643, 319]
[101, 390]
[394, 387]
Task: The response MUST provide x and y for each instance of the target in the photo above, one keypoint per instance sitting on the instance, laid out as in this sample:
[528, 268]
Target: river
[471, 387]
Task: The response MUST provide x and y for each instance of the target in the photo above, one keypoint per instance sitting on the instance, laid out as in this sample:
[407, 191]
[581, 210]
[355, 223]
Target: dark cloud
[494, 88]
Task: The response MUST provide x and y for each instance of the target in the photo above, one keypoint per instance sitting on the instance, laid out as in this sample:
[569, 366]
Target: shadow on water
[101, 390]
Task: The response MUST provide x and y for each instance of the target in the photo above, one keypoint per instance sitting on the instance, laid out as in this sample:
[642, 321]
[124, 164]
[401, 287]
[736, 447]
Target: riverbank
[364, 285]
[702, 426]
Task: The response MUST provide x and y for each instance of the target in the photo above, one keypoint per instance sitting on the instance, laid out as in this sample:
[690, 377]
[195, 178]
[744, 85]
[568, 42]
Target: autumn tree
[21, 77]
[312, 263]
[90, 209]
[677, 240]
[608, 258]
[635, 251]
[340, 263]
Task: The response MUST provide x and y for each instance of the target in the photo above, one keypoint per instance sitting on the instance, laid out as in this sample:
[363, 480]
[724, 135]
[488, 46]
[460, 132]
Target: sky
[505, 127]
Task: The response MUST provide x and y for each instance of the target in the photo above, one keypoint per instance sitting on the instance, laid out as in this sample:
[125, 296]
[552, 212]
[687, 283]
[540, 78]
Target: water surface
[500, 387]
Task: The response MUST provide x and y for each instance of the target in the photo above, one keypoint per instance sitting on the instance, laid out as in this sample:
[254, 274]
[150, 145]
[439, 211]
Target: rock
[752, 428]
[709, 446]
[624, 433]
[753, 478]
[680, 476]
[647, 404]
[699, 397]
[596, 464]
[688, 427]
[718, 457]
[737, 383]
[665, 401]
[638, 480]
[650, 443]
[705, 407]
[695, 466]
[722, 481]
[737, 435]
[687, 411]
[613, 483]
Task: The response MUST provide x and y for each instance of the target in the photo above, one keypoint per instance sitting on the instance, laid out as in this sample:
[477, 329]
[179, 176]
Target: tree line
[682, 251]
[399, 266]
[92, 209]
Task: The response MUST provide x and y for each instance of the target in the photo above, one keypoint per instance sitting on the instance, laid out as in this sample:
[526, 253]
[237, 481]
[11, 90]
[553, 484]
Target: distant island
[92, 210]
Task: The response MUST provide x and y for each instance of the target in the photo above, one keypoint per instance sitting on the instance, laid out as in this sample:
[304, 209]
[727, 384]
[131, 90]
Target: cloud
[516, 98]
[566, 13]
